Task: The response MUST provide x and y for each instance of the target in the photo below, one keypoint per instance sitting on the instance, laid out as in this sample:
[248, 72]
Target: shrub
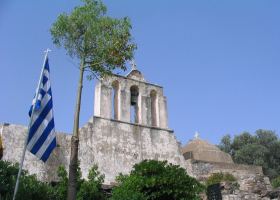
[276, 182]
[60, 189]
[220, 177]
[92, 188]
[29, 187]
[153, 180]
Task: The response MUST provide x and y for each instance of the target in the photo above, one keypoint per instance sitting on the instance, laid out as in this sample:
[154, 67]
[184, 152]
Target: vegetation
[276, 182]
[102, 44]
[92, 189]
[61, 186]
[261, 148]
[220, 177]
[30, 188]
[87, 189]
[149, 180]
[153, 180]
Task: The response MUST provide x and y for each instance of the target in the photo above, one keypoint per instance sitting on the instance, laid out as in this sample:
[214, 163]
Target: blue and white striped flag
[41, 136]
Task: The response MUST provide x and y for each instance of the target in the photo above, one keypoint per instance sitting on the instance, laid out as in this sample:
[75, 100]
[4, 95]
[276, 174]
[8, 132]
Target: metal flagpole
[29, 125]
[1, 144]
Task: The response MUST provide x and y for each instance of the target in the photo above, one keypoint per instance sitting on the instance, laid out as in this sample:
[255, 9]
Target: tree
[253, 154]
[266, 137]
[225, 144]
[157, 180]
[261, 148]
[102, 44]
[242, 140]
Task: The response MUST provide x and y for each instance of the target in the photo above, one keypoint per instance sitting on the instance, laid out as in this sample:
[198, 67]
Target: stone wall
[13, 142]
[250, 178]
[202, 169]
[228, 194]
[114, 146]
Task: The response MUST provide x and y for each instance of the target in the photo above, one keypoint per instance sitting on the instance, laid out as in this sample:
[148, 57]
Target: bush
[29, 187]
[92, 189]
[153, 180]
[60, 189]
[220, 177]
[276, 182]
[8, 173]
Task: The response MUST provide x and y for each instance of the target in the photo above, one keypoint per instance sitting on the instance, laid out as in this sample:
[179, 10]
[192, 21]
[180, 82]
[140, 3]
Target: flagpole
[29, 125]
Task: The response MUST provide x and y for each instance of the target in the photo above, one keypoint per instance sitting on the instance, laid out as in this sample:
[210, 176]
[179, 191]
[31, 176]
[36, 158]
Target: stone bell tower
[130, 124]
[131, 99]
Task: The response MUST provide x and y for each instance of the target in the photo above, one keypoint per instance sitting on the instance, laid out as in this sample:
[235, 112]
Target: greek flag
[41, 136]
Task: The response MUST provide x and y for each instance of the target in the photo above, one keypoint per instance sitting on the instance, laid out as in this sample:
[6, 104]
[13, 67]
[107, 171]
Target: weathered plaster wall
[116, 146]
[113, 145]
[13, 142]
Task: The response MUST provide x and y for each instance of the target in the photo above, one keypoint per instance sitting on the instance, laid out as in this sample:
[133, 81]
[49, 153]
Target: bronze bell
[134, 97]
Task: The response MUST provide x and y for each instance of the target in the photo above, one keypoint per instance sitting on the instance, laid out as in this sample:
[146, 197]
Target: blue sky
[218, 61]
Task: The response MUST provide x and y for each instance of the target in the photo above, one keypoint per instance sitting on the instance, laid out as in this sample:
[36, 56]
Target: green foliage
[276, 182]
[60, 189]
[102, 43]
[29, 187]
[126, 193]
[242, 140]
[225, 144]
[92, 189]
[87, 189]
[220, 177]
[253, 154]
[261, 148]
[154, 180]
[8, 172]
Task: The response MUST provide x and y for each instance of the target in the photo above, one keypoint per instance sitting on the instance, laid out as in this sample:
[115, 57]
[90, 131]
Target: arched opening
[134, 108]
[115, 100]
[153, 96]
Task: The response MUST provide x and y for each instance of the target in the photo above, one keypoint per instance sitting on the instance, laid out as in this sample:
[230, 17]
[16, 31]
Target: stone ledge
[232, 166]
[146, 83]
[133, 124]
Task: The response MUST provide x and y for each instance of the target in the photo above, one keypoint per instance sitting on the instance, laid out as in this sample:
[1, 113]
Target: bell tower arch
[131, 99]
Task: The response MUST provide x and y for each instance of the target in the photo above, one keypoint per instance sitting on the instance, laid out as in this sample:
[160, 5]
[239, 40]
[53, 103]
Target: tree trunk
[73, 166]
